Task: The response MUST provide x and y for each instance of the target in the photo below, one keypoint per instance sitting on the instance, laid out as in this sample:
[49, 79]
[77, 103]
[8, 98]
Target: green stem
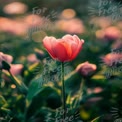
[22, 87]
[63, 89]
[0, 77]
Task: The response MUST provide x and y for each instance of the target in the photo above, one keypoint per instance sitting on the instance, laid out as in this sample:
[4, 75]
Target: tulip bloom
[5, 57]
[16, 69]
[86, 68]
[64, 49]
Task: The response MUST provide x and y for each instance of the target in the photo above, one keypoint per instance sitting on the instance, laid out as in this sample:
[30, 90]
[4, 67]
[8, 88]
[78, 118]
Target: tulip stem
[0, 77]
[22, 87]
[63, 89]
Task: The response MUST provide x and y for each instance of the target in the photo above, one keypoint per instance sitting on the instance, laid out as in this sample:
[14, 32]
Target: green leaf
[42, 98]
[72, 82]
[97, 119]
[99, 79]
[2, 101]
[21, 85]
[34, 88]
[32, 71]
[68, 101]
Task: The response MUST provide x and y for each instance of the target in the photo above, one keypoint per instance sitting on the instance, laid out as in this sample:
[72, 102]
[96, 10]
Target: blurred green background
[96, 96]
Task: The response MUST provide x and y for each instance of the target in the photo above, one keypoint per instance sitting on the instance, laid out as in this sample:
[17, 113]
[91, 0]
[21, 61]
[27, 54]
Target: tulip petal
[48, 42]
[67, 37]
[7, 58]
[67, 47]
[76, 48]
[68, 43]
[75, 51]
[60, 51]
[76, 39]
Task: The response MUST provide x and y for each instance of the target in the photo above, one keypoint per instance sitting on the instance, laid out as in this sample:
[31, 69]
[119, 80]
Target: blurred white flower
[15, 8]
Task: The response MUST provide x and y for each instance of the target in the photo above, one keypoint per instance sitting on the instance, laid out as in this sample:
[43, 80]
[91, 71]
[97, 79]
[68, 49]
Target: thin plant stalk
[22, 87]
[63, 90]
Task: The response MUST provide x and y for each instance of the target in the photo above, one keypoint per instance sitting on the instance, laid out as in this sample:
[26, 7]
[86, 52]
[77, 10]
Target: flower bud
[86, 68]
[16, 69]
[5, 59]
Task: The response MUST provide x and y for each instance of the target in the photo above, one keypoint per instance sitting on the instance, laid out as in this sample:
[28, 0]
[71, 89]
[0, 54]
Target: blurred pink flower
[33, 20]
[86, 69]
[102, 22]
[100, 34]
[32, 58]
[68, 14]
[95, 90]
[112, 59]
[94, 99]
[15, 8]
[12, 26]
[72, 26]
[117, 45]
[112, 32]
[98, 90]
[5, 57]
[16, 69]
[119, 24]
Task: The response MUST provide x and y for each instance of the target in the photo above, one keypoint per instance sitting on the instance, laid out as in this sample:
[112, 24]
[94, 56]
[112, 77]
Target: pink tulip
[86, 68]
[5, 57]
[64, 49]
[16, 69]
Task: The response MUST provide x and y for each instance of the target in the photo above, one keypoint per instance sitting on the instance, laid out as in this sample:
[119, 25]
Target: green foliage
[35, 94]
